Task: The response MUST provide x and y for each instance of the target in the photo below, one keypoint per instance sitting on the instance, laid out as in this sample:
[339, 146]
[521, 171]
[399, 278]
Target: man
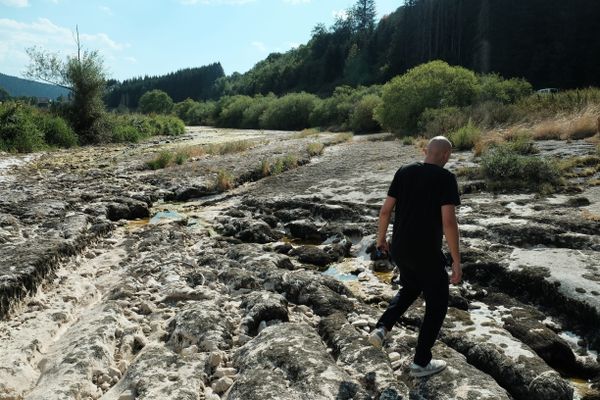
[424, 196]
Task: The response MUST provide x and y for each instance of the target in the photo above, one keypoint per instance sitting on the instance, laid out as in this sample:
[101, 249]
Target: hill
[18, 87]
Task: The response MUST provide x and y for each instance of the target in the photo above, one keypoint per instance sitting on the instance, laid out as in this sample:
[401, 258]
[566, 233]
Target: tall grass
[466, 137]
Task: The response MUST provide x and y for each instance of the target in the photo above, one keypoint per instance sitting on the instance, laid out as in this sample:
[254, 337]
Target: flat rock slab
[577, 272]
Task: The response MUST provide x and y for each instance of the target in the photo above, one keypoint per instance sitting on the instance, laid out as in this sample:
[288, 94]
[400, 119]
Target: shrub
[56, 130]
[581, 128]
[441, 121]
[466, 137]
[494, 88]
[504, 169]
[315, 149]
[18, 129]
[362, 117]
[290, 112]
[251, 115]
[408, 140]
[432, 85]
[168, 125]
[162, 160]
[231, 110]
[521, 142]
[225, 180]
[548, 130]
[265, 167]
[341, 138]
[155, 101]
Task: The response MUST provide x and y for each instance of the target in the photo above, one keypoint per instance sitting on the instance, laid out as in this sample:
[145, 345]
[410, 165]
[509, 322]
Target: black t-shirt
[420, 190]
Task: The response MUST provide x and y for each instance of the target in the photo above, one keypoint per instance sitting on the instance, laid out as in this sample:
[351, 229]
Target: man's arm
[451, 233]
[385, 214]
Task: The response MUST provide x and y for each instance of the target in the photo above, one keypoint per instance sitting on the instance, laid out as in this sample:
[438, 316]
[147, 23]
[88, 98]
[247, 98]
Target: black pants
[432, 281]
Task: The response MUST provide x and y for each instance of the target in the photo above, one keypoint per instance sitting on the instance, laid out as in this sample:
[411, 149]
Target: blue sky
[139, 37]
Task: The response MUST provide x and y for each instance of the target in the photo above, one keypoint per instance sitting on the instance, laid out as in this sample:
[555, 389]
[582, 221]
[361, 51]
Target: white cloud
[16, 36]
[106, 10]
[260, 46]
[15, 3]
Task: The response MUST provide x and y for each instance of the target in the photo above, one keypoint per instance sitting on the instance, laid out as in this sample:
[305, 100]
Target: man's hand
[456, 276]
[383, 246]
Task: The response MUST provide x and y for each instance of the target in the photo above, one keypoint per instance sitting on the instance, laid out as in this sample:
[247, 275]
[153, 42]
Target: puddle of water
[335, 273]
[166, 216]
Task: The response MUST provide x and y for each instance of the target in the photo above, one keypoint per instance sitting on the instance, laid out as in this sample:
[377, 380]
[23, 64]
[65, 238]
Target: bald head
[438, 151]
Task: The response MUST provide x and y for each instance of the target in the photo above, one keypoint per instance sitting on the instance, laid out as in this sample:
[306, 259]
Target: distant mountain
[17, 87]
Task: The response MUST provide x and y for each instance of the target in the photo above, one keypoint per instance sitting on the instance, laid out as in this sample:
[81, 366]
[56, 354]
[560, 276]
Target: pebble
[221, 385]
[105, 386]
[394, 356]
[360, 323]
[123, 365]
[189, 351]
[114, 373]
[243, 339]
[214, 359]
[221, 372]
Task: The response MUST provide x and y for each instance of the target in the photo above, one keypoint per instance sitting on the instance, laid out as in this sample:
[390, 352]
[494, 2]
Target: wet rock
[185, 193]
[204, 324]
[291, 360]
[306, 230]
[321, 256]
[249, 230]
[263, 307]
[127, 208]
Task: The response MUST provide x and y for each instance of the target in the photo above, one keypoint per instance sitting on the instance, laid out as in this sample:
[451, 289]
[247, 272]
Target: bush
[136, 127]
[441, 121]
[504, 169]
[494, 88]
[18, 129]
[162, 160]
[432, 85]
[231, 111]
[315, 149]
[155, 101]
[521, 142]
[362, 118]
[290, 112]
[168, 125]
[466, 137]
[56, 130]
[251, 115]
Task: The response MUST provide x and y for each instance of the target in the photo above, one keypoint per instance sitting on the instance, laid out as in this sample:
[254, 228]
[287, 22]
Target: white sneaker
[433, 367]
[377, 337]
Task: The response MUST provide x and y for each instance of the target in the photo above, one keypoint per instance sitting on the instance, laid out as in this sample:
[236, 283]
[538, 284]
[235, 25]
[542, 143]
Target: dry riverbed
[120, 282]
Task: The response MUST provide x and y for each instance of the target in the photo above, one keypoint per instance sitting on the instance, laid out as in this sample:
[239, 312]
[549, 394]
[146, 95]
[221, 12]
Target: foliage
[362, 118]
[315, 149]
[505, 169]
[18, 130]
[465, 137]
[136, 127]
[193, 83]
[4, 95]
[56, 131]
[194, 113]
[225, 180]
[162, 160]
[231, 110]
[251, 115]
[432, 85]
[290, 112]
[84, 76]
[496, 89]
[441, 121]
[156, 102]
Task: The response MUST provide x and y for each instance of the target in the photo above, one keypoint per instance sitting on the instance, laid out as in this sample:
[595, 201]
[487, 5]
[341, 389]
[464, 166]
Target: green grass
[164, 159]
[225, 180]
[315, 149]
[465, 138]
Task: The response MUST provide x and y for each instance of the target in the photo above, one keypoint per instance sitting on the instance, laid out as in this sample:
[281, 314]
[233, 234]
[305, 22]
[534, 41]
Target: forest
[549, 43]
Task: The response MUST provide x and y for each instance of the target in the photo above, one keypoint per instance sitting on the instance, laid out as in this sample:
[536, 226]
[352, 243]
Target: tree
[156, 101]
[363, 15]
[4, 95]
[84, 76]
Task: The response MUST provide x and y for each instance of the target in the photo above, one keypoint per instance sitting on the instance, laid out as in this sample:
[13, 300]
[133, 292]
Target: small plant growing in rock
[408, 140]
[162, 160]
[505, 169]
[225, 180]
[315, 149]
[265, 167]
[466, 137]
[342, 137]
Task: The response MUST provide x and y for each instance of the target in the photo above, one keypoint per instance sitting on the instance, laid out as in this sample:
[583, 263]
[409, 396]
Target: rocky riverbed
[119, 282]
